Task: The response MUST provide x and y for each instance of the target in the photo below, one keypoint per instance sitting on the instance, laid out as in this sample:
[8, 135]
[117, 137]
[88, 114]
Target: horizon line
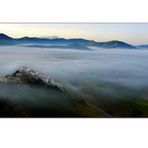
[57, 37]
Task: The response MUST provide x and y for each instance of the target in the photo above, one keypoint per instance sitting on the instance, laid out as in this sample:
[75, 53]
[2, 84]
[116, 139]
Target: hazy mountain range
[78, 43]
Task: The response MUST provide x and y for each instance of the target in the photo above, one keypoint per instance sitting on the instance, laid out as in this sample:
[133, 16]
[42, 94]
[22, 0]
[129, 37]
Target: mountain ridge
[72, 42]
[142, 46]
[4, 36]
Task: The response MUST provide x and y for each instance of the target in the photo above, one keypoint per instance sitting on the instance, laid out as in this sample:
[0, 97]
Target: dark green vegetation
[50, 103]
[82, 109]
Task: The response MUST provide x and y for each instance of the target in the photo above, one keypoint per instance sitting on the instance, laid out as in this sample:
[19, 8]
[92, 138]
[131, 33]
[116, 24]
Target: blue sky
[130, 33]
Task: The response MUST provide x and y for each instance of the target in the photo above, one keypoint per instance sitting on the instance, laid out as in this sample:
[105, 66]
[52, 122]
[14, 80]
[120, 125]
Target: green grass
[143, 102]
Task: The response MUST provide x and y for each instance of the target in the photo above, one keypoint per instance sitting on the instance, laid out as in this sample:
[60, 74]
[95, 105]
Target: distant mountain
[143, 46]
[77, 43]
[6, 40]
[4, 37]
[114, 44]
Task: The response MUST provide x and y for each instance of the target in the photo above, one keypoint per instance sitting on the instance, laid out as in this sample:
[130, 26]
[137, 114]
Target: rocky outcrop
[28, 76]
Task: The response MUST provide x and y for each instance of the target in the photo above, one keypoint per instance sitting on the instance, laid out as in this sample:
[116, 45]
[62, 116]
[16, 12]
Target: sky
[131, 33]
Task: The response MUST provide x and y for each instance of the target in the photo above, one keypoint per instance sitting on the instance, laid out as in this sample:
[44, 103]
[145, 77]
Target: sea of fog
[98, 75]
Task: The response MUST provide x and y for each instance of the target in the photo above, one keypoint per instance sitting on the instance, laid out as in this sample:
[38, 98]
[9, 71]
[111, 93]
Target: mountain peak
[117, 43]
[4, 36]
